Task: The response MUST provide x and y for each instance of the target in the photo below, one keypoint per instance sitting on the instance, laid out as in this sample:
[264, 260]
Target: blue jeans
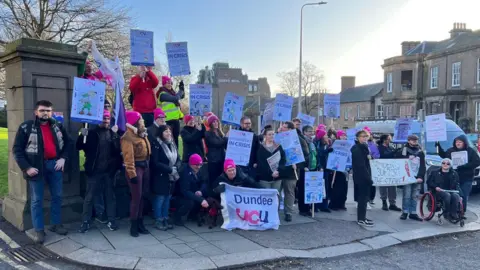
[466, 188]
[410, 194]
[54, 180]
[161, 207]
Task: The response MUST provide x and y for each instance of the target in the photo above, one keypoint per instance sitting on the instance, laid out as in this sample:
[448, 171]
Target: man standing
[142, 87]
[246, 125]
[102, 160]
[289, 180]
[40, 149]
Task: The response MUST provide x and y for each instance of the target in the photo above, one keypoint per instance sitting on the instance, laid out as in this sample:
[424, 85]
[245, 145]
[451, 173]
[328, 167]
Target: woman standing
[375, 154]
[267, 149]
[142, 88]
[192, 138]
[170, 104]
[362, 176]
[340, 184]
[323, 145]
[311, 165]
[165, 163]
[216, 143]
[136, 154]
[386, 151]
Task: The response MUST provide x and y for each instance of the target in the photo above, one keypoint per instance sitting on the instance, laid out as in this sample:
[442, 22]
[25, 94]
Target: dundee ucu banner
[250, 208]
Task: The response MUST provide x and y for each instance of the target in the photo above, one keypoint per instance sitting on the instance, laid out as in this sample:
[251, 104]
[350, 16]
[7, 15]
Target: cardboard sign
[141, 48]
[331, 104]
[282, 110]
[314, 186]
[232, 109]
[392, 172]
[87, 101]
[200, 99]
[178, 62]
[239, 146]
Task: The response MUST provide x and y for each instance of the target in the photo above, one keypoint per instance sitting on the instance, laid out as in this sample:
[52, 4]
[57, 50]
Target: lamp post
[300, 66]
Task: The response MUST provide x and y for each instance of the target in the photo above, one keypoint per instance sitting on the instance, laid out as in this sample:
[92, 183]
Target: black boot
[134, 228]
[384, 205]
[141, 227]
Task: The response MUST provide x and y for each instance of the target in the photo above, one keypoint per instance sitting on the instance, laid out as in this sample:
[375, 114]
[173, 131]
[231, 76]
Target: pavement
[327, 235]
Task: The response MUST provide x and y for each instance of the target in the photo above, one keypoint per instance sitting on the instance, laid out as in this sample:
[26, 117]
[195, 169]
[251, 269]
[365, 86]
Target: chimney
[408, 45]
[348, 82]
[458, 29]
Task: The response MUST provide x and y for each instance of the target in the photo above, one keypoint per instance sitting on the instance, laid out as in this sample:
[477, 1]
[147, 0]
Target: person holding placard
[387, 152]
[216, 143]
[246, 125]
[289, 180]
[339, 189]
[169, 101]
[271, 161]
[142, 87]
[311, 164]
[323, 146]
[232, 176]
[375, 154]
[192, 138]
[464, 161]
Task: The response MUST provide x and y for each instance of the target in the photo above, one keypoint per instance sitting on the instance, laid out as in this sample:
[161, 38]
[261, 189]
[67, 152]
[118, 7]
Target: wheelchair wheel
[427, 206]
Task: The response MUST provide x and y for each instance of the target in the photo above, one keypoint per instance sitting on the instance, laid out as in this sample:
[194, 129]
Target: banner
[339, 158]
[249, 208]
[178, 62]
[274, 161]
[200, 99]
[291, 145]
[239, 146]
[232, 109]
[282, 110]
[307, 120]
[141, 48]
[459, 158]
[87, 101]
[267, 117]
[403, 128]
[314, 186]
[436, 128]
[331, 103]
[392, 172]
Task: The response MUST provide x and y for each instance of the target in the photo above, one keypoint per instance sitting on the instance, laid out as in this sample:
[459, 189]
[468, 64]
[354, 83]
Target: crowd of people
[178, 185]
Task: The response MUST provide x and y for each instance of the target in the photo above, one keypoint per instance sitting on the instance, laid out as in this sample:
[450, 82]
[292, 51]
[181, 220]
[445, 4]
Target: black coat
[91, 150]
[465, 172]
[416, 152]
[160, 170]
[192, 142]
[216, 146]
[362, 173]
[263, 169]
[253, 151]
[305, 150]
[240, 180]
[190, 183]
[386, 151]
[436, 178]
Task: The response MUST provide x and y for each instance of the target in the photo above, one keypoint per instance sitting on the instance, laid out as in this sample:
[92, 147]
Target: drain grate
[29, 254]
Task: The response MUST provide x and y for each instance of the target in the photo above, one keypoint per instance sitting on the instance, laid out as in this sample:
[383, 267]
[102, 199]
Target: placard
[331, 104]
[87, 101]
[314, 186]
[200, 99]
[403, 128]
[232, 109]
[291, 145]
[178, 62]
[306, 119]
[436, 128]
[274, 161]
[283, 108]
[141, 48]
[267, 117]
[459, 158]
[239, 146]
[392, 172]
[338, 159]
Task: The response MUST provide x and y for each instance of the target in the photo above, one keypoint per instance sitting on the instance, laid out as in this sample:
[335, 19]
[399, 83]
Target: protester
[442, 179]
[192, 138]
[267, 177]
[142, 86]
[375, 154]
[466, 172]
[165, 164]
[191, 192]
[362, 176]
[387, 152]
[102, 160]
[339, 186]
[302, 166]
[246, 125]
[297, 123]
[170, 103]
[40, 149]
[332, 133]
[412, 151]
[158, 120]
[324, 147]
[234, 177]
[136, 154]
[289, 180]
[89, 74]
[260, 136]
[216, 143]
[310, 165]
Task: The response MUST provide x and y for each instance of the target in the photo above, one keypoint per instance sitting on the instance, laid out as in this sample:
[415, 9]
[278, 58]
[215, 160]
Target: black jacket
[416, 152]
[465, 172]
[362, 173]
[192, 142]
[160, 170]
[29, 156]
[190, 183]
[305, 149]
[263, 169]
[216, 146]
[436, 178]
[322, 153]
[91, 150]
[387, 152]
[152, 131]
[253, 151]
[240, 180]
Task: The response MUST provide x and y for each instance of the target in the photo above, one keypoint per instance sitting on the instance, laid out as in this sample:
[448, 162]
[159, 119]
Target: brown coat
[134, 149]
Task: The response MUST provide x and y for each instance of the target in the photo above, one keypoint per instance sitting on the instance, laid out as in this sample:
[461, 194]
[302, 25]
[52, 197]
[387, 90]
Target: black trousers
[97, 184]
[185, 206]
[373, 192]
[363, 196]
[175, 125]
[338, 194]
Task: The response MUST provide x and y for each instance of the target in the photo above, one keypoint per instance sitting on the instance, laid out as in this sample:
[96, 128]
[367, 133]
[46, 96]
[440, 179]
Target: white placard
[436, 128]
[239, 146]
[392, 172]
[200, 99]
[87, 101]
[459, 158]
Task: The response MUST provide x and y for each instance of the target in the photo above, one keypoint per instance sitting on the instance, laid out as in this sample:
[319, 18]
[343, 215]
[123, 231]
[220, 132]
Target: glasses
[446, 163]
[247, 123]
[364, 136]
[44, 111]
[107, 106]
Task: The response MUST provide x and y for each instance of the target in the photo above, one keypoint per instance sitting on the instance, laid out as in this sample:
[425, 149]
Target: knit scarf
[170, 151]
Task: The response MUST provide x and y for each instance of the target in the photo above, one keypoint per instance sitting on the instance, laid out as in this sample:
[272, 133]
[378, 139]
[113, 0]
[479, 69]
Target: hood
[462, 138]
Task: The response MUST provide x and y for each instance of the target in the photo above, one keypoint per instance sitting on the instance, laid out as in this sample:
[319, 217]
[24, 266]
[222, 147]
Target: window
[345, 114]
[435, 108]
[434, 78]
[407, 80]
[389, 82]
[388, 111]
[478, 70]
[379, 111]
[456, 74]
[406, 111]
[358, 111]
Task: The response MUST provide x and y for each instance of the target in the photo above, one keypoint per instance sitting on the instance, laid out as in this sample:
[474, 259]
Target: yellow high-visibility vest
[172, 112]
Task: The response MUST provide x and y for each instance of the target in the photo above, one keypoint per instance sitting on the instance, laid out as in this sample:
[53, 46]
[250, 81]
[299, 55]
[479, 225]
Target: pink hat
[132, 117]
[320, 133]
[158, 112]
[228, 164]
[207, 114]
[165, 80]
[187, 118]
[341, 133]
[212, 118]
[195, 159]
[106, 113]
[321, 127]
[367, 129]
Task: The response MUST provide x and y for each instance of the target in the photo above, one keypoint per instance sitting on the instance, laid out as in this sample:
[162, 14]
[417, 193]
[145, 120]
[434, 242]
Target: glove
[330, 150]
[181, 86]
[134, 180]
[461, 167]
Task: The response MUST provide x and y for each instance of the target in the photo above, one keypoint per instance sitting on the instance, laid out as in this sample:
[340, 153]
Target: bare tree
[312, 86]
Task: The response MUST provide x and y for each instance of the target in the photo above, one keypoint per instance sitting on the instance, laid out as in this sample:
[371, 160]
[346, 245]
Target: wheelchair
[431, 204]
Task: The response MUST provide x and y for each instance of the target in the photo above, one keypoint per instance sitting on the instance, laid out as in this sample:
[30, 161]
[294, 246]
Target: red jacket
[143, 92]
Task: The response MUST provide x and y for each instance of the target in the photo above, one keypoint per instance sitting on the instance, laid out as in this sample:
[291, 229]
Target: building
[358, 103]
[438, 76]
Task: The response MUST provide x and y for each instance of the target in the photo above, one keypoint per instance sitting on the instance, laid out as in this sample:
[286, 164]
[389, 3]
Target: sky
[341, 38]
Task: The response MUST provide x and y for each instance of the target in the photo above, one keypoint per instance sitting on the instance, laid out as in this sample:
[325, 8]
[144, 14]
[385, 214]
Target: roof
[360, 93]
[460, 41]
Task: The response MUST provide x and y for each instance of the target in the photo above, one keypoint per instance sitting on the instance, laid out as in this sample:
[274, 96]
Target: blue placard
[178, 63]
[141, 48]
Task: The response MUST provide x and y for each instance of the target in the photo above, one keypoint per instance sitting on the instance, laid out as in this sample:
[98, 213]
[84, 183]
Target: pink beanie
[212, 118]
[158, 113]
[321, 127]
[165, 80]
[106, 113]
[187, 118]
[320, 133]
[341, 133]
[195, 159]
[367, 129]
[132, 117]
[228, 164]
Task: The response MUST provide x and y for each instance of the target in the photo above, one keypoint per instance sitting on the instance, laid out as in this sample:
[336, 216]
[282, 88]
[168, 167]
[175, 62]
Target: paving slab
[154, 251]
[161, 235]
[50, 237]
[339, 250]
[204, 228]
[295, 253]
[296, 219]
[64, 246]
[236, 246]
[381, 241]
[172, 241]
[209, 250]
[424, 233]
[98, 258]
[198, 244]
[190, 238]
[193, 254]
[246, 258]
[198, 263]
[121, 239]
[181, 231]
[93, 239]
[180, 248]
[216, 236]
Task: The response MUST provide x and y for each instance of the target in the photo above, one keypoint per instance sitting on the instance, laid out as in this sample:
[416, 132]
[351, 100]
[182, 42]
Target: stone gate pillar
[37, 70]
